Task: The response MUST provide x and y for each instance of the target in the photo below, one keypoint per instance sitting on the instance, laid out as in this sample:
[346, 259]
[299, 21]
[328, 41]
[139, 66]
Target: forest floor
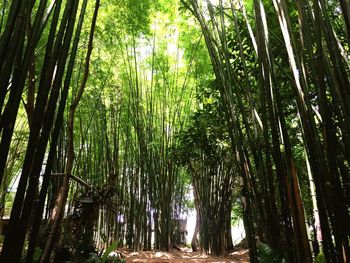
[184, 255]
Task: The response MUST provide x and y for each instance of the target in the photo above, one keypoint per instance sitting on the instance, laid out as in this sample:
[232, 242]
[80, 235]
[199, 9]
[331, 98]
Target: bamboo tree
[15, 246]
[229, 82]
[62, 197]
[301, 239]
[309, 129]
[54, 141]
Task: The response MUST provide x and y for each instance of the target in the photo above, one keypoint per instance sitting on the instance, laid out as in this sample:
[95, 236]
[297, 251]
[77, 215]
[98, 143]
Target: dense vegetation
[112, 112]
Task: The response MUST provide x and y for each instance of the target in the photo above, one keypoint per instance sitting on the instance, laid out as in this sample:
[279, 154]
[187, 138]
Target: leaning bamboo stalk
[267, 86]
[75, 178]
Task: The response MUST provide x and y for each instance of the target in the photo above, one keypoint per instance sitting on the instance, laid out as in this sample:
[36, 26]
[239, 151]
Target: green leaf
[320, 258]
[37, 254]
[267, 255]
[109, 249]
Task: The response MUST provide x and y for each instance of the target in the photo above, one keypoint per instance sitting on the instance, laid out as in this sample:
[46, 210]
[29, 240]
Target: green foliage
[93, 258]
[10, 197]
[109, 249]
[320, 258]
[237, 211]
[207, 130]
[37, 254]
[267, 255]
[128, 16]
[106, 258]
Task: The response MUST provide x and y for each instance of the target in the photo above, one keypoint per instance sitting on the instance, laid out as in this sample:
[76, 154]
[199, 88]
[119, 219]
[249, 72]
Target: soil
[184, 255]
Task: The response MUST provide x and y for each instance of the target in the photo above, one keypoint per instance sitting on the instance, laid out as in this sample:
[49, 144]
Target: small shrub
[108, 251]
[268, 255]
[37, 254]
[108, 256]
[320, 258]
[93, 258]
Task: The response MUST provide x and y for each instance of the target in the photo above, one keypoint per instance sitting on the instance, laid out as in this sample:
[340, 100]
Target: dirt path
[240, 256]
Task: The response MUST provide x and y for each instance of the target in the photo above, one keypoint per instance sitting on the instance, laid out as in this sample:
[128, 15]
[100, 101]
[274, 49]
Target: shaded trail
[185, 255]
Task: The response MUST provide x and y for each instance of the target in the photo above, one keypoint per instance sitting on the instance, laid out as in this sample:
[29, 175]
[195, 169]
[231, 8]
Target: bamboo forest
[175, 131]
